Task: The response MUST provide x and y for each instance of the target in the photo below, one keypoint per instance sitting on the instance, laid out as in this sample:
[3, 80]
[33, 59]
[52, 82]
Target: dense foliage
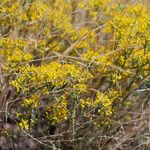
[68, 68]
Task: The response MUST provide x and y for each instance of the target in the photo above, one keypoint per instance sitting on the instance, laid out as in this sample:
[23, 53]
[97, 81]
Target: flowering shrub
[66, 71]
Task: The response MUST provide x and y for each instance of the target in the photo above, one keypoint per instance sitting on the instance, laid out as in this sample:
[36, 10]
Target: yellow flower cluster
[24, 124]
[57, 111]
[105, 103]
[32, 102]
[85, 102]
[54, 73]
[37, 10]
[12, 50]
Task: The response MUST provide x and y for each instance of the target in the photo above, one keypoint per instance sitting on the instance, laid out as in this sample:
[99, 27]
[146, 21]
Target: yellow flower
[24, 124]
